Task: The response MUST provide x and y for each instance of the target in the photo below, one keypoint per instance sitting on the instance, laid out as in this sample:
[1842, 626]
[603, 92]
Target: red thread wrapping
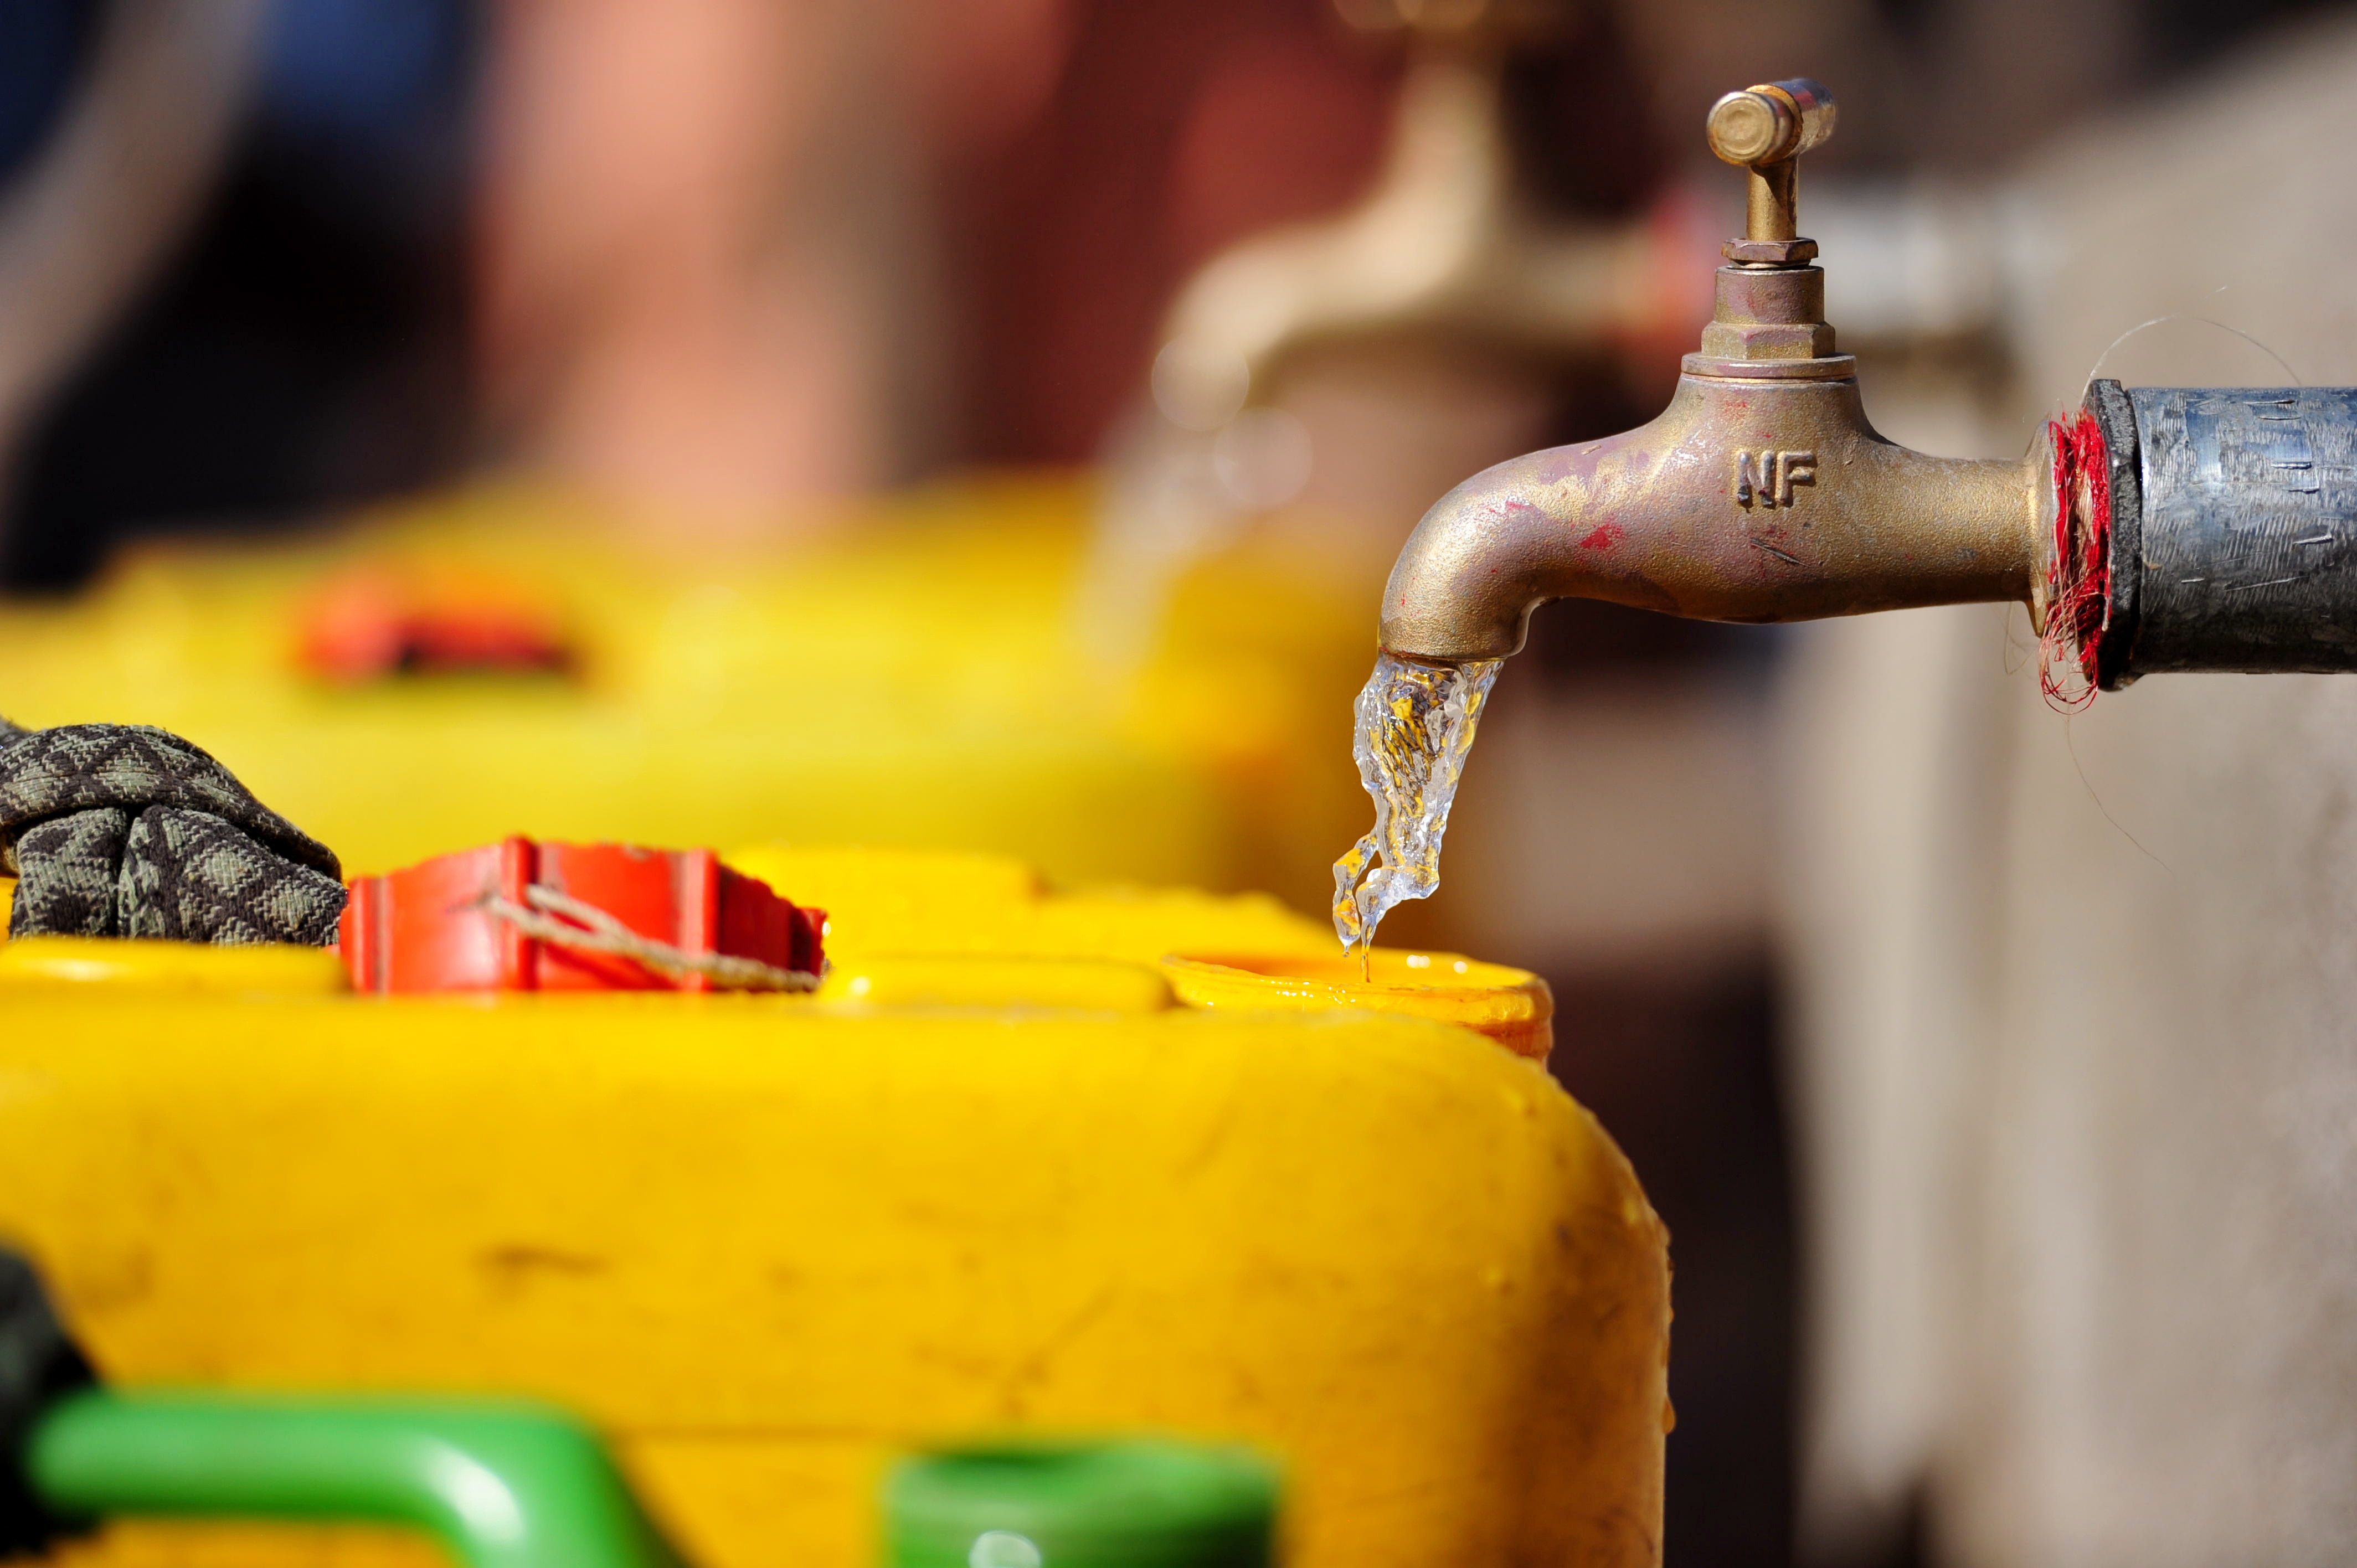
[2078, 576]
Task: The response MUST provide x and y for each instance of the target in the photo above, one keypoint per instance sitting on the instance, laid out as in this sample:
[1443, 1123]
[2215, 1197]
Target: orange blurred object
[381, 618]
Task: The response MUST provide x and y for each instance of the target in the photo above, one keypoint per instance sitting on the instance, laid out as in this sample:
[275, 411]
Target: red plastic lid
[521, 916]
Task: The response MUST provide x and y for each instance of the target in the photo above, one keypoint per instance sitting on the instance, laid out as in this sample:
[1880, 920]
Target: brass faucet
[1447, 243]
[1759, 494]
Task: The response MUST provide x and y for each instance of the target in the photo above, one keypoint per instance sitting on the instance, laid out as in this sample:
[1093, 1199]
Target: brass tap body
[1759, 494]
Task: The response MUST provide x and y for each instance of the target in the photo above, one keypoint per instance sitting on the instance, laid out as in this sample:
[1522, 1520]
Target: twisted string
[605, 934]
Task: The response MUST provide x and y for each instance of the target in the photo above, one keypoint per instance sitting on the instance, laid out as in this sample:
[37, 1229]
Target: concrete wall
[2076, 999]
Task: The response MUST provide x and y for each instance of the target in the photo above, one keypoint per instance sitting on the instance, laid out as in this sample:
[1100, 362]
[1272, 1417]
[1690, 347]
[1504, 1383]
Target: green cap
[1097, 1504]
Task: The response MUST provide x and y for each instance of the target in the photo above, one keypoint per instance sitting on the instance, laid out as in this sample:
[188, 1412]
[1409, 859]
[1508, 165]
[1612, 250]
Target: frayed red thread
[2078, 576]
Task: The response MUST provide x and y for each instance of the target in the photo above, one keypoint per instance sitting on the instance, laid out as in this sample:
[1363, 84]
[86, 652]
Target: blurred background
[1270, 275]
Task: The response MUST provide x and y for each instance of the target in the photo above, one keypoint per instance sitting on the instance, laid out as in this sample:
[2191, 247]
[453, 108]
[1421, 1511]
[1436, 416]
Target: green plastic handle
[1125, 1504]
[500, 1486]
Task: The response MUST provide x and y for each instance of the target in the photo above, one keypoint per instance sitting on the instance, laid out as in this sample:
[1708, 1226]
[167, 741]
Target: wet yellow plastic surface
[914, 682]
[765, 1242]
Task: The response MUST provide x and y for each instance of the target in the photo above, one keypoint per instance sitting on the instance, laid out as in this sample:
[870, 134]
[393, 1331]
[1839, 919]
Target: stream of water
[1416, 723]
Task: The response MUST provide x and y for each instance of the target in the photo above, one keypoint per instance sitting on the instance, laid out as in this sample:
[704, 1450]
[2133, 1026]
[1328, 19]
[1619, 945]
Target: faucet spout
[1750, 499]
[1760, 494]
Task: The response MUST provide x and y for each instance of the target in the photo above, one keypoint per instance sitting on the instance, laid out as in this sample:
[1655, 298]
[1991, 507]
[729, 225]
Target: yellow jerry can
[766, 1242]
[916, 679]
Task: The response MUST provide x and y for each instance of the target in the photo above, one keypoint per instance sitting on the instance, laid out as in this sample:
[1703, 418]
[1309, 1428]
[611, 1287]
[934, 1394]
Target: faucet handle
[1772, 122]
[1765, 129]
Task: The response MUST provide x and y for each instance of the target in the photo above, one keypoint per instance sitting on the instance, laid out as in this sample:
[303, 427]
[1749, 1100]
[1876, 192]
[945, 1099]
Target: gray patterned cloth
[125, 831]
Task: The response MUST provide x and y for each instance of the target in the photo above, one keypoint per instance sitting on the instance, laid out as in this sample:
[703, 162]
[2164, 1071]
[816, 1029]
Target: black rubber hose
[2233, 528]
[40, 1363]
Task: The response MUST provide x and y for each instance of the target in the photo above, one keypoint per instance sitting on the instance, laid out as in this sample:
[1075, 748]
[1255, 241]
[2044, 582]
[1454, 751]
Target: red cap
[482, 920]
